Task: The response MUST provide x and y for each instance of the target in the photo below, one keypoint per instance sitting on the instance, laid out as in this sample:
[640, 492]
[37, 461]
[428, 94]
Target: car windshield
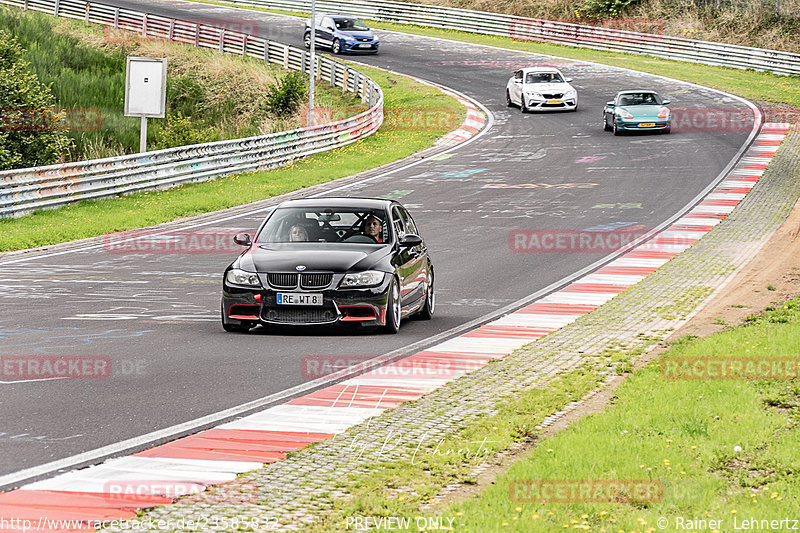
[628, 99]
[544, 77]
[350, 24]
[325, 224]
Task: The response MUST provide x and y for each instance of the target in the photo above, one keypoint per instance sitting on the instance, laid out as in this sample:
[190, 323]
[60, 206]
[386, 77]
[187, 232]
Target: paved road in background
[156, 316]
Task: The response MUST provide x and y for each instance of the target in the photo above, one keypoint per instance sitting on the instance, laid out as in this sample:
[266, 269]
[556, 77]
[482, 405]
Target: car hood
[356, 33]
[643, 111]
[548, 87]
[314, 256]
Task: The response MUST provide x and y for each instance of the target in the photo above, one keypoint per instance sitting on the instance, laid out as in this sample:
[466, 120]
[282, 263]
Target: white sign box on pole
[146, 87]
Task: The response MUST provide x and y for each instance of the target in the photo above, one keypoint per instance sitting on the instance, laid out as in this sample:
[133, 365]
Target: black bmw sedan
[330, 260]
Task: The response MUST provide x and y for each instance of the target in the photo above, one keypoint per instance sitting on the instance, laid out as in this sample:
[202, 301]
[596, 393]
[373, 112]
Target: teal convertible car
[636, 111]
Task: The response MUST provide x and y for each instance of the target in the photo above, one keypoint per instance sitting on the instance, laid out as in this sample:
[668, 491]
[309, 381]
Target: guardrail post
[286, 57]
[345, 82]
[144, 25]
[25, 5]
[303, 62]
[222, 40]
[86, 12]
[171, 36]
[266, 50]
[116, 18]
[333, 74]
[244, 45]
[55, 8]
[196, 35]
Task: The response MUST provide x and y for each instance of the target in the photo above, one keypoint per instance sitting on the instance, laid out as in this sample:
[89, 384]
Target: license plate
[554, 102]
[647, 124]
[299, 298]
[365, 46]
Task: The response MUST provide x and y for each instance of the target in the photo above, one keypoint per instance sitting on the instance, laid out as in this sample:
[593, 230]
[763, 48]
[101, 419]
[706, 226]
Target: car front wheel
[606, 127]
[509, 103]
[307, 40]
[426, 313]
[393, 308]
[336, 47]
[616, 129]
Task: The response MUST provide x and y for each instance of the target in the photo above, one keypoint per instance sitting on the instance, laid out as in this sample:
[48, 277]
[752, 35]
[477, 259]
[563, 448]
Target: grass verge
[399, 488]
[398, 138]
[723, 451]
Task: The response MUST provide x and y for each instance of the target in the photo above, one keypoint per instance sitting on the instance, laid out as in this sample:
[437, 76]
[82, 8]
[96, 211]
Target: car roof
[636, 91]
[540, 69]
[339, 15]
[333, 202]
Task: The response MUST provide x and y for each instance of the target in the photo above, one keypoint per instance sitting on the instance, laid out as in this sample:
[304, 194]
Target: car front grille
[364, 39]
[315, 281]
[280, 280]
[308, 280]
[299, 315]
[553, 96]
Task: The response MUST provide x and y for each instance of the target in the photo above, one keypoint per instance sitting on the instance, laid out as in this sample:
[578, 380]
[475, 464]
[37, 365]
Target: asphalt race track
[155, 317]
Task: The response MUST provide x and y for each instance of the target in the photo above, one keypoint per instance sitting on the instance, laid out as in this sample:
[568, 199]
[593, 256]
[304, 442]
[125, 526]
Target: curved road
[155, 317]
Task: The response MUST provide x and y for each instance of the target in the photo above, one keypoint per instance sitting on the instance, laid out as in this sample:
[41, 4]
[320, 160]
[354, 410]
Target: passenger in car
[298, 233]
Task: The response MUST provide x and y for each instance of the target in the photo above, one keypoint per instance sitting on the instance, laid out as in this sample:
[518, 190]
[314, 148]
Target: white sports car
[540, 88]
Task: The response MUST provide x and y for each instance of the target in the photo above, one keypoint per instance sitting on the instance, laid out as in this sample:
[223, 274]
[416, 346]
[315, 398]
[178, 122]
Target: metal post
[312, 48]
[143, 136]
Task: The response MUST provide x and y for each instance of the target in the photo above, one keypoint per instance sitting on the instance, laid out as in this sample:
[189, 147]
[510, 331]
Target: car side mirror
[568, 80]
[664, 102]
[243, 239]
[610, 104]
[516, 80]
[409, 240]
[330, 28]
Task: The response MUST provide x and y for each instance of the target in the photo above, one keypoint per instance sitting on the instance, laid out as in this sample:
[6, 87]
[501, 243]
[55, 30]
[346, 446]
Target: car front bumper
[532, 102]
[360, 46]
[365, 306]
[635, 124]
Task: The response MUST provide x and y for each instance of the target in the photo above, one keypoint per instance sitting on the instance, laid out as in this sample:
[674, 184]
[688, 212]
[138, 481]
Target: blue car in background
[637, 111]
[342, 33]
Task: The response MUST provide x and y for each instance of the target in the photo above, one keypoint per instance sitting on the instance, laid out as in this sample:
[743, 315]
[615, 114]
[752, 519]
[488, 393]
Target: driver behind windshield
[373, 228]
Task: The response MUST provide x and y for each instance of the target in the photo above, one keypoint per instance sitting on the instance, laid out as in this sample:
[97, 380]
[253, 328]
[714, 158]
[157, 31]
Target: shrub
[31, 133]
[601, 9]
[180, 131]
[284, 98]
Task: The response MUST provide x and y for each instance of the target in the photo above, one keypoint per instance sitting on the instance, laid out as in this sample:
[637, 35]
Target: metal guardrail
[523, 28]
[29, 189]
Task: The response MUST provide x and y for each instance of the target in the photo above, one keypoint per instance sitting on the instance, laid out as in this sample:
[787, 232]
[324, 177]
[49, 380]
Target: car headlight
[368, 278]
[664, 113]
[236, 276]
[533, 94]
[572, 93]
[624, 114]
